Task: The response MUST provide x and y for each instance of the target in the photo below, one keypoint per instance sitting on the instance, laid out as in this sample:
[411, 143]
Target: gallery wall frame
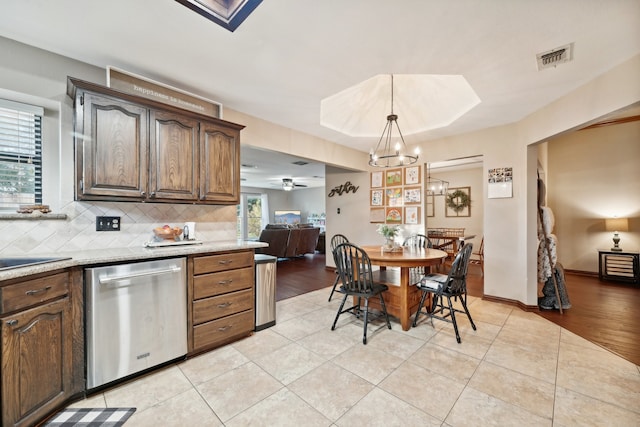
[393, 177]
[377, 179]
[412, 175]
[412, 195]
[377, 197]
[377, 215]
[412, 215]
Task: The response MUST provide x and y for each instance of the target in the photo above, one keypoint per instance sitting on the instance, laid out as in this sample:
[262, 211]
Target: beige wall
[509, 225]
[592, 175]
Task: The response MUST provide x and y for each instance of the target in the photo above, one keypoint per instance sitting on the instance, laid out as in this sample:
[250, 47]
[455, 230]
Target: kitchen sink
[7, 263]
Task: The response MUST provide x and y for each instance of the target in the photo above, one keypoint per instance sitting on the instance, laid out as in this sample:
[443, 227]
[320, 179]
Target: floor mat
[90, 417]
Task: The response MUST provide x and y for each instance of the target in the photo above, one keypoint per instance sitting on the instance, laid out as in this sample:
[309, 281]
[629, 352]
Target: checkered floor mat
[90, 417]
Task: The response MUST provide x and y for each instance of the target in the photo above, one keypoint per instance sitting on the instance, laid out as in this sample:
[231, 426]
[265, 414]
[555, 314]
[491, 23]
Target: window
[252, 215]
[20, 154]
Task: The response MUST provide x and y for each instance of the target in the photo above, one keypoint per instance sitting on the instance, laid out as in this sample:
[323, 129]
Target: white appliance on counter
[136, 318]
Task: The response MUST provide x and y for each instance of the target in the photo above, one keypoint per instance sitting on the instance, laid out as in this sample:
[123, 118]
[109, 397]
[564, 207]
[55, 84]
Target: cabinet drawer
[32, 292]
[214, 263]
[221, 330]
[223, 305]
[208, 285]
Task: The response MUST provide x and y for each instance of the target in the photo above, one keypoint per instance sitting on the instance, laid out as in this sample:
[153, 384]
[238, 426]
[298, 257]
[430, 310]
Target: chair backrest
[456, 283]
[338, 239]
[354, 268]
[418, 241]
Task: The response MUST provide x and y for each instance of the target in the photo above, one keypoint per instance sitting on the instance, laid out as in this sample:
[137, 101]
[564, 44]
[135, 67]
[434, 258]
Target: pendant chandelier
[435, 186]
[389, 154]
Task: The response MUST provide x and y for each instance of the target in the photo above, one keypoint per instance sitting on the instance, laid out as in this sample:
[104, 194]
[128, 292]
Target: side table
[620, 266]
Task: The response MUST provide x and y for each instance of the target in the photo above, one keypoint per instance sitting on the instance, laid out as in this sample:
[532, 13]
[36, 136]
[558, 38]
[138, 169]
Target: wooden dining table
[403, 297]
[449, 241]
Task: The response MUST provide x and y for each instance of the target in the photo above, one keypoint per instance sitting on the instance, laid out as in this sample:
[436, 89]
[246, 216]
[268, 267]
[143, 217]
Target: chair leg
[453, 319]
[333, 327]
[422, 299]
[335, 283]
[463, 300]
[366, 320]
[384, 309]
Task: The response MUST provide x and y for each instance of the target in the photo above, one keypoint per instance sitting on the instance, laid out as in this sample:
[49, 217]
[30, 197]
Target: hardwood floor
[605, 313]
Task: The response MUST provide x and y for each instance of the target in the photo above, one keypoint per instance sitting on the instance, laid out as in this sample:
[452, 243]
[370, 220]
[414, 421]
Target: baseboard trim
[519, 304]
[582, 273]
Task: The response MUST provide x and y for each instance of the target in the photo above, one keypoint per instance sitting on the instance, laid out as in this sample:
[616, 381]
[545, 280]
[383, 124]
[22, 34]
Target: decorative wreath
[458, 200]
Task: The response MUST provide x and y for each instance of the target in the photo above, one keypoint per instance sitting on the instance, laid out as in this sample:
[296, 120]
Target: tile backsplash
[78, 230]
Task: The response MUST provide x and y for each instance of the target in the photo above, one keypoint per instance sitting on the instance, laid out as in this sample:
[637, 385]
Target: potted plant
[389, 232]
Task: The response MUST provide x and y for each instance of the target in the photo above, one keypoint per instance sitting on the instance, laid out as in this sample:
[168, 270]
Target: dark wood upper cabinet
[133, 149]
[174, 165]
[112, 155]
[220, 175]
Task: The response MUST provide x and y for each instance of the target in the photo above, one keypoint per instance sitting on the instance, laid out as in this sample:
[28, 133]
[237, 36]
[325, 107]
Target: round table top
[408, 257]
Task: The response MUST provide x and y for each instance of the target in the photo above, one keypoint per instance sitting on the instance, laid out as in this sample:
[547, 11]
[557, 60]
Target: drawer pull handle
[38, 291]
[224, 305]
[12, 322]
[225, 262]
[225, 282]
[224, 328]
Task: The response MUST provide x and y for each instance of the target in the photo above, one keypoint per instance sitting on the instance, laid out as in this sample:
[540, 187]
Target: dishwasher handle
[105, 280]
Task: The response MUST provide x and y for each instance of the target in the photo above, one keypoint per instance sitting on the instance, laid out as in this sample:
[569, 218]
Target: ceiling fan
[288, 184]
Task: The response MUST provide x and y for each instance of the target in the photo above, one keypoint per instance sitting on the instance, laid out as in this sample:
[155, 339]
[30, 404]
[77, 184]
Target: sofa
[289, 241]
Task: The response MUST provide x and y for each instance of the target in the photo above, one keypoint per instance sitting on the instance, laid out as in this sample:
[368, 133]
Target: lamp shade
[616, 224]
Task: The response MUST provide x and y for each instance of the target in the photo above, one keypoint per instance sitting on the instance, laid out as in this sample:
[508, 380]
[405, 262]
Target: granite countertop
[120, 255]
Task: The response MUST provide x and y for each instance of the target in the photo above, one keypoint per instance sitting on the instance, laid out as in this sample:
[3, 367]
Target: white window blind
[20, 154]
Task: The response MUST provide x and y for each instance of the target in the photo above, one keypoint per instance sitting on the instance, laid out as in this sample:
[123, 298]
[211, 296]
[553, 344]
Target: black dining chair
[354, 267]
[417, 241]
[441, 287]
[335, 241]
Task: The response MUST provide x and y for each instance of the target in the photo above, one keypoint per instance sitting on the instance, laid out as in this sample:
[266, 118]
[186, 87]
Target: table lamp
[616, 225]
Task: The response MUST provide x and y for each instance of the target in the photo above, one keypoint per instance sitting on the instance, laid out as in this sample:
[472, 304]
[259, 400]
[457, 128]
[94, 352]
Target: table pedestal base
[393, 297]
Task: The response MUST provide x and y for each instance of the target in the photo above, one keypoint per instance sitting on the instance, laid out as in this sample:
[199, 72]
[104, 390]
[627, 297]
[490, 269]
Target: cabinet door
[112, 158]
[36, 362]
[174, 163]
[220, 157]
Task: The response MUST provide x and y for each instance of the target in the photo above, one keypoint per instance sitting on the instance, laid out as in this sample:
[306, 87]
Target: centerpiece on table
[390, 232]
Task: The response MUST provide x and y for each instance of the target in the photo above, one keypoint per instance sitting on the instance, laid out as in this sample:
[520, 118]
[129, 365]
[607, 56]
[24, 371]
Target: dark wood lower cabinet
[222, 299]
[41, 364]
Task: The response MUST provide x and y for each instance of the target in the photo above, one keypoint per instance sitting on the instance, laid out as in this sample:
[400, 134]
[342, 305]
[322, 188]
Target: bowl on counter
[170, 233]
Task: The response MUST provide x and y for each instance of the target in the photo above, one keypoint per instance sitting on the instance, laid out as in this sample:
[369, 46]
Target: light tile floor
[517, 369]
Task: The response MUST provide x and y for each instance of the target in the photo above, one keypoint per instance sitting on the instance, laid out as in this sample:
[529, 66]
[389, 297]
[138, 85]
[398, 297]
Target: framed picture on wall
[412, 175]
[393, 177]
[412, 215]
[376, 179]
[412, 195]
[393, 216]
[377, 197]
[376, 215]
[394, 196]
[457, 202]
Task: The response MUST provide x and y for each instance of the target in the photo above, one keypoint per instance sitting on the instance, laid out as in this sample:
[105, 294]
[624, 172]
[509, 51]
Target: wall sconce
[616, 225]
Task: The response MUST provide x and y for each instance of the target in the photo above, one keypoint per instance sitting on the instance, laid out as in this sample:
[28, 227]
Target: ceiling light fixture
[392, 154]
[435, 186]
[287, 184]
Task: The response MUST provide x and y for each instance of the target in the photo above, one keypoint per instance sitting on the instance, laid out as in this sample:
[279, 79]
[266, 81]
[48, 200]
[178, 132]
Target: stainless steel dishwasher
[136, 318]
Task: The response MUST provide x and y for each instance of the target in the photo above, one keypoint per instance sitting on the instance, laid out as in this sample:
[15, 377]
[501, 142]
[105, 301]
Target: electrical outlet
[107, 223]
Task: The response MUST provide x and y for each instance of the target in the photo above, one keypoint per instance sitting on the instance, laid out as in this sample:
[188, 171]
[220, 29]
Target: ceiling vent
[555, 57]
